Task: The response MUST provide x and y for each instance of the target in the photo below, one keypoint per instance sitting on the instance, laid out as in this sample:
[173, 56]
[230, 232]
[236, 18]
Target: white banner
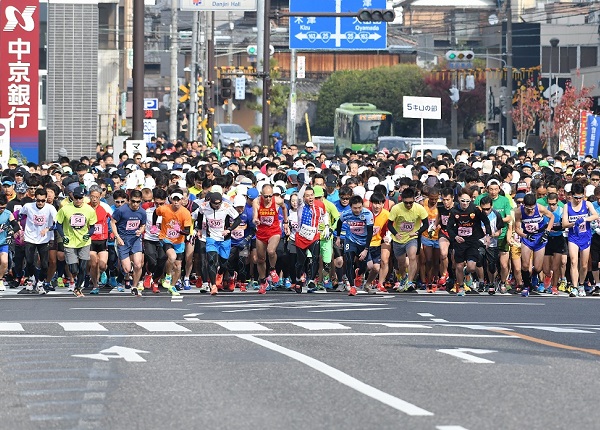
[240, 88]
[301, 67]
[150, 129]
[133, 147]
[226, 5]
[422, 107]
[4, 142]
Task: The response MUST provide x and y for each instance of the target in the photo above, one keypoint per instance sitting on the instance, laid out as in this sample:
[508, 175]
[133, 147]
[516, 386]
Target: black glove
[86, 237]
[531, 237]
[65, 240]
[544, 237]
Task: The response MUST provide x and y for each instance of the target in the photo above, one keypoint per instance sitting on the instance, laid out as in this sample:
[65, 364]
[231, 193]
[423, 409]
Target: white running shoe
[2, 286]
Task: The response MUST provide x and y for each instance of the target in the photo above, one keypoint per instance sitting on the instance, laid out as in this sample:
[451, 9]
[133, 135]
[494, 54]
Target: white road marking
[82, 326]
[191, 315]
[350, 310]
[192, 319]
[466, 354]
[400, 325]
[343, 378]
[446, 302]
[245, 310]
[478, 327]
[162, 326]
[424, 314]
[328, 334]
[242, 326]
[438, 320]
[556, 329]
[321, 326]
[130, 309]
[450, 428]
[11, 327]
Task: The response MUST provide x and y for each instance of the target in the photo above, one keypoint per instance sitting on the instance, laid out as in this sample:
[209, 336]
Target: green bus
[357, 126]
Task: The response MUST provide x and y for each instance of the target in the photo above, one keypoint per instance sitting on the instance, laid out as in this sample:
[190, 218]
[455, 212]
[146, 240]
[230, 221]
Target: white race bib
[307, 232]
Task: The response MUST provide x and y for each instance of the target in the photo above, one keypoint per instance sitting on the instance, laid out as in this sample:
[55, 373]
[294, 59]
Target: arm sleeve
[424, 227]
[236, 222]
[91, 230]
[338, 227]
[451, 228]
[59, 229]
[369, 234]
[15, 225]
[390, 226]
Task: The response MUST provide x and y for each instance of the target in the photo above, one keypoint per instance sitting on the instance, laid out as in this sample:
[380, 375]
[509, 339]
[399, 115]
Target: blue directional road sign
[336, 33]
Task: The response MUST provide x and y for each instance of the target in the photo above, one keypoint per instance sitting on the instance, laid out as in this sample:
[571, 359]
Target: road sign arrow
[128, 354]
[465, 354]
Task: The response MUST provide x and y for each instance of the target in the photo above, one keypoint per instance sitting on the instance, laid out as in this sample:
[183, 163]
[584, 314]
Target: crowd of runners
[184, 216]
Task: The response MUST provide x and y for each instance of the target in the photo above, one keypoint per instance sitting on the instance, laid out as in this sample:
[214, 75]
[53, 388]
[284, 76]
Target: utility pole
[260, 23]
[291, 127]
[138, 70]
[509, 74]
[266, 74]
[209, 93]
[230, 63]
[193, 119]
[174, 100]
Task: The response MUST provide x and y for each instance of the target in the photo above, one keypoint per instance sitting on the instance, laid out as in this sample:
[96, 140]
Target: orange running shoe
[213, 290]
[352, 291]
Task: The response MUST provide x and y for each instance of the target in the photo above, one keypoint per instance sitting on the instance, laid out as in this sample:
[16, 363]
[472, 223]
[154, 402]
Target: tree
[382, 86]
[530, 109]
[567, 114]
[277, 102]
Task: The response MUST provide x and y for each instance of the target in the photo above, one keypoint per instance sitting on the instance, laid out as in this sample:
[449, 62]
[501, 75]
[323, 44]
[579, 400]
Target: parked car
[393, 142]
[513, 149]
[232, 133]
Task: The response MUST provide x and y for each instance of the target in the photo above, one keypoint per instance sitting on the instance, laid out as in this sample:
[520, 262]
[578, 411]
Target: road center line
[343, 378]
[547, 342]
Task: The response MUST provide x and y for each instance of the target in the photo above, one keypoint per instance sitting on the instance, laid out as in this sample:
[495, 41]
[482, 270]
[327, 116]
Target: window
[589, 56]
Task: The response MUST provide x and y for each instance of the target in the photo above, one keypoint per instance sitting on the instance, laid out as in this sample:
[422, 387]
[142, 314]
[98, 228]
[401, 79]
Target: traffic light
[267, 89]
[454, 94]
[376, 15]
[252, 50]
[226, 92]
[454, 55]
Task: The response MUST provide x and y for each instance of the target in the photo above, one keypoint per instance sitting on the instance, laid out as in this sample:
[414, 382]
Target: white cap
[309, 144]
[568, 187]
[521, 145]
[239, 200]
[361, 169]
[372, 182]
[88, 180]
[216, 189]
[280, 184]
[149, 182]
[589, 190]
[359, 191]
[368, 195]
[298, 164]
[477, 165]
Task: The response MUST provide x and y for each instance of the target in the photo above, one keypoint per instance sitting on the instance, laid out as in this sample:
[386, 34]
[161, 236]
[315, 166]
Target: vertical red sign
[19, 50]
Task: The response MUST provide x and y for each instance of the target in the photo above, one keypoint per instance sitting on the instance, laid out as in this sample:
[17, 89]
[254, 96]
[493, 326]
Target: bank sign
[19, 50]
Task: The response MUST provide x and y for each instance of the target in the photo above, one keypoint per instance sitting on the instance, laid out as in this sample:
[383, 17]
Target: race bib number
[237, 234]
[307, 232]
[357, 229]
[77, 221]
[444, 219]
[39, 220]
[98, 229]
[172, 233]
[267, 220]
[583, 227]
[407, 226]
[376, 230]
[132, 224]
[465, 231]
[531, 227]
[215, 223]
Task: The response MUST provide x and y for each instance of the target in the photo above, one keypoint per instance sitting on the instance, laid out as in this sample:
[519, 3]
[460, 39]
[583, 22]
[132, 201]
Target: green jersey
[76, 223]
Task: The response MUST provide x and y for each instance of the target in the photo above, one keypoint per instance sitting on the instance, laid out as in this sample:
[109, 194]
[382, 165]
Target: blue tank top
[558, 212]
[582, 233]
[532, 224]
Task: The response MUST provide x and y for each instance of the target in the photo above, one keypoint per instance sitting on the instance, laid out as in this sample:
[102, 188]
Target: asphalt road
[318, 361]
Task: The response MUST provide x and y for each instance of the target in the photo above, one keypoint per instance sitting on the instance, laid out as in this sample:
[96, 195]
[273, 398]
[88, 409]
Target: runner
[444, 236]
[39, 224]
[98, 249]
[175, 224]
[128, 223]
[76, 224]
[268, 233]
[6, 219]
[380, 246]
[154, 254]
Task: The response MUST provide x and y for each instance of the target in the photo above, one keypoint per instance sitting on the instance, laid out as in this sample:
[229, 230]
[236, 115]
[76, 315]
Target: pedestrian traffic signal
[252, 50]
[454, 55]
[376, 15]
[226, 91]
[454, 95]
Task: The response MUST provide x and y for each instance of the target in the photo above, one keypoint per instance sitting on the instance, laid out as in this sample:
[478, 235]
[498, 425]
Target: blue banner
[593, 135]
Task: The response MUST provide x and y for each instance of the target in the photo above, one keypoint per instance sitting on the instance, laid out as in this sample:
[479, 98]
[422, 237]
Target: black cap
[331, 181]
[79, 192]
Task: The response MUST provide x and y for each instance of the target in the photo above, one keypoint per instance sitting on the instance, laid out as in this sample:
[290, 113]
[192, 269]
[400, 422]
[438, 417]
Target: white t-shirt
[215, 219]
[37, 220]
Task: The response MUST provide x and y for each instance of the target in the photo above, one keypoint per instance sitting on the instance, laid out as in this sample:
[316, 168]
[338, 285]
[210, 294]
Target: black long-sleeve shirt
[467, 224]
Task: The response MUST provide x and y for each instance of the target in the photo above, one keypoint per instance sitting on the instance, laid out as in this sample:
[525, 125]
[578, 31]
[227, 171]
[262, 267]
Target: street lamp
[553, 44]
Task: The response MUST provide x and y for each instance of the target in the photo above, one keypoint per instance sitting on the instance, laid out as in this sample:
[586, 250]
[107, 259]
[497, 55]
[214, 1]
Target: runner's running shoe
[60, 282]
[274, 276]
[214, 290]
[77, 292]
[147, 281]
[166, 283]
[554, 291]
[242, 287]
[525, 292]
[461, 292]
[186, 284]
[381, 288]
[262, 289]
[287, 283]
[327, 282]
[358, 280]
[352, 291]
[547, 282]
[40, 288]
[155, 289]
[581, 291]
[219, 282]
[2, 286]
[95, 290]
[173, 291]
[443, 279]
[562, 284]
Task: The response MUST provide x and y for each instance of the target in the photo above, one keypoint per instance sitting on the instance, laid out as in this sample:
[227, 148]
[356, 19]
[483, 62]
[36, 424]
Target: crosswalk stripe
[11, 327]
[162, 326]
[242, 326]
[399, 325]
[556, 329]
[82, 326]
[321, 326]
